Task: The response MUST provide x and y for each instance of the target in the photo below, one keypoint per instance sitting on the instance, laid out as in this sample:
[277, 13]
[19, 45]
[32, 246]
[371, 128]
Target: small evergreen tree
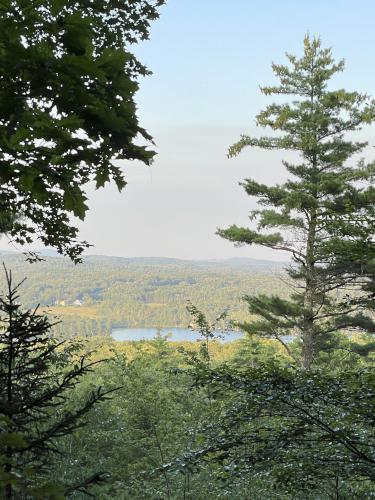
[37, 376]
[323, 216]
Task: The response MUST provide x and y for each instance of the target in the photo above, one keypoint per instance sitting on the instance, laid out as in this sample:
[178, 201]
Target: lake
[176, 334]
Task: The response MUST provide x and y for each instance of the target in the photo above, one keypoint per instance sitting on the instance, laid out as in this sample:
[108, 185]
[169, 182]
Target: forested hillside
[104, 292]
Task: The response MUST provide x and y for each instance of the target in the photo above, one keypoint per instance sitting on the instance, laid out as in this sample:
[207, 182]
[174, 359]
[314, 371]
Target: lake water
[177, 334]
[174, 333]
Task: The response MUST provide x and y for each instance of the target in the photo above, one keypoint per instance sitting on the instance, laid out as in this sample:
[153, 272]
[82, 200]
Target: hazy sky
[209, 58]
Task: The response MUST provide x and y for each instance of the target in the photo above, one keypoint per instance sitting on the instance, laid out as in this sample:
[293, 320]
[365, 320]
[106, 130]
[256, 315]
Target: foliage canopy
[67, 110]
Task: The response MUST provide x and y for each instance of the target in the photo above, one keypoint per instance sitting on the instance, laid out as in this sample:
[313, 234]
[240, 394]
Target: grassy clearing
[91, 312]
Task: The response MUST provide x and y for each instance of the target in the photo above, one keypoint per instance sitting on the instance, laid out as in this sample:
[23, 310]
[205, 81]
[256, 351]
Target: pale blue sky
[209, 58]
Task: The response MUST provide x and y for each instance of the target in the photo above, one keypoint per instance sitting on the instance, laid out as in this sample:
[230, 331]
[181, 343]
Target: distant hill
[236, 262]
[108, 291]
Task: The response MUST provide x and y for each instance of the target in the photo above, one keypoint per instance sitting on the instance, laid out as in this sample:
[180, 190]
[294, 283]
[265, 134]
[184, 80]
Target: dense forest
[149, 437]
[203, 420]
[105, 292]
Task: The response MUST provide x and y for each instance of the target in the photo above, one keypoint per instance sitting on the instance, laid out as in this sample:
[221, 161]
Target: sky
[209, 58]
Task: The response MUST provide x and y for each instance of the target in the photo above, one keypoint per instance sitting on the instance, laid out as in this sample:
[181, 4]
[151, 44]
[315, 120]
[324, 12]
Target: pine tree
[323, 216]
[37, 377]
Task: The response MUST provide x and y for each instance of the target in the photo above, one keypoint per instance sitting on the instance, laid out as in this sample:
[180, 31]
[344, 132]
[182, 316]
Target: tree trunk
[308, 329]
[8, 454]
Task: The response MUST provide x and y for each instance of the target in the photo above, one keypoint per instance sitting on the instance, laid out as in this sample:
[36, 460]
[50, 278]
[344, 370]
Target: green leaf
[12, 439]
[101, 177]
[27, 179]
